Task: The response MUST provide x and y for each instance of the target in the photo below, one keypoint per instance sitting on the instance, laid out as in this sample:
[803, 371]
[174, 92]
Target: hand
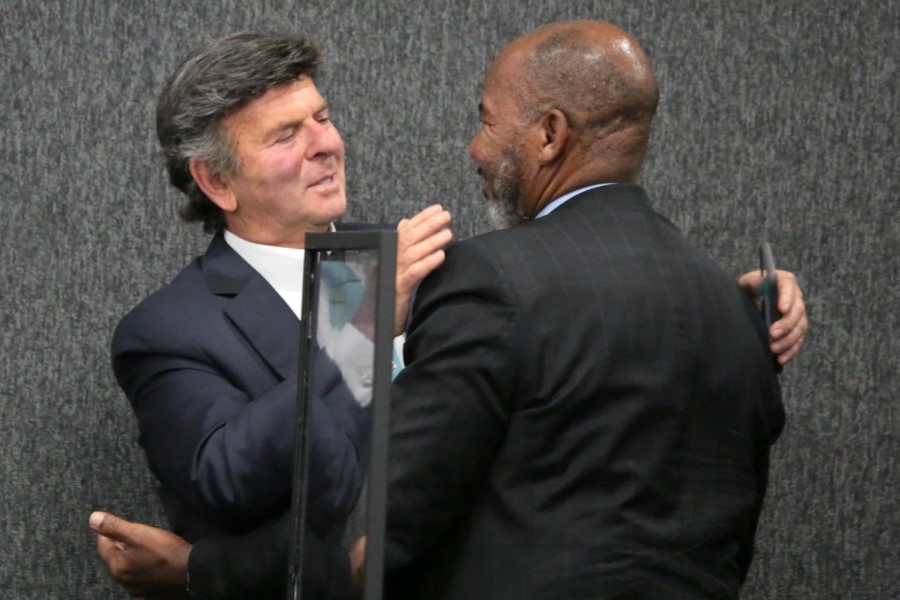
[357, 567]
[789, 332]
[420, 250]
[148, 562]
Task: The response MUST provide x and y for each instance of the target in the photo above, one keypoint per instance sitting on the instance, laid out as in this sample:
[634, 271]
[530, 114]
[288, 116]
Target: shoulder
[507, 254]
[482, 256]
[475, 272]
[170, 312]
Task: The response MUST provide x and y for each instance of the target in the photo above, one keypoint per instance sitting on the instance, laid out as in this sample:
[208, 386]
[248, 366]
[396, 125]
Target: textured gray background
[778, 120]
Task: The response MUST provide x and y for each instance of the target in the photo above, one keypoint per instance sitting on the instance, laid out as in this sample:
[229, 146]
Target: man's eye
[286, 136]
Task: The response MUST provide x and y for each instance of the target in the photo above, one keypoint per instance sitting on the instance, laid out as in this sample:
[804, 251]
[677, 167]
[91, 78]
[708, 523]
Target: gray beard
[503, 214]
[503, 208]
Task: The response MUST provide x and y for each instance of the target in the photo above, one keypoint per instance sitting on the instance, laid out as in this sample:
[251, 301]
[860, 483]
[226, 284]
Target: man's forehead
[495, 88]
[301, 92]
[505, 71]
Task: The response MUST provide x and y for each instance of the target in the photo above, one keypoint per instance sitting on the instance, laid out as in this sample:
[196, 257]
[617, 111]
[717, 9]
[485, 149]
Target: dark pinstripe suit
[587, 413]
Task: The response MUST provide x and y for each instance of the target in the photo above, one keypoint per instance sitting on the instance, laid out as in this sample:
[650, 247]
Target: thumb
[111, 526]
[750, 281]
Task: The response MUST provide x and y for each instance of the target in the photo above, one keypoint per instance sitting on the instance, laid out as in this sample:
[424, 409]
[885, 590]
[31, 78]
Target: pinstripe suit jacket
[587, 412]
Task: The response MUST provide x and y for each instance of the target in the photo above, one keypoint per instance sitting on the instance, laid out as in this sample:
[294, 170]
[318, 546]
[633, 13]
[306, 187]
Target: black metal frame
[385, 244]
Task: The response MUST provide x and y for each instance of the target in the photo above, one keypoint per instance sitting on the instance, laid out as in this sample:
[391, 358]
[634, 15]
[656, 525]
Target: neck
[282, 237]
[563, 182]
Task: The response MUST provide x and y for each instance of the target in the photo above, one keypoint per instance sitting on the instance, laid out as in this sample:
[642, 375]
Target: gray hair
[211, 84]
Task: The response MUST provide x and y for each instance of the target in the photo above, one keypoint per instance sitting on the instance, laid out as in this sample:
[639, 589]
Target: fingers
[788, 291]
[357, 564]
[791, 307]
[146, 561]
[108, 549]
[423, 234]
[424, 224]
[789, 332]
[112, 528]
[425, 214]
[407, 281]
[421, 240]
[750, 282]
[112, 543]
[792, 351]
[416, 271]
[420, 244]
[788, 336]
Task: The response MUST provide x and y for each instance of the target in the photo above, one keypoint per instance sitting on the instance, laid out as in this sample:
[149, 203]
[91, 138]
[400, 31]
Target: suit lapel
[253, 306]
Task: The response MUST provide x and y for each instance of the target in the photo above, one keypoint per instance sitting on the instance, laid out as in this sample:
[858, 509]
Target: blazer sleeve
[452, 403]
[254, 566]
[223, 450]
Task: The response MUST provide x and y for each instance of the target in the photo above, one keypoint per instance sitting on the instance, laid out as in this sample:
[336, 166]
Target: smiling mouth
[323, 182]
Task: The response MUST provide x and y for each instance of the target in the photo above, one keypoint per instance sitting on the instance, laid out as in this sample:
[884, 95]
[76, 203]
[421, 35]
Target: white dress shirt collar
[281, 267]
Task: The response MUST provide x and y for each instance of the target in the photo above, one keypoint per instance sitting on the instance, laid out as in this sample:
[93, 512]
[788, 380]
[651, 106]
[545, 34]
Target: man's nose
[325, 141]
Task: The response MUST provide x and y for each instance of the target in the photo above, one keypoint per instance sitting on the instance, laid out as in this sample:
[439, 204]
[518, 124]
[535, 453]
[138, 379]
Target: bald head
[601, 80]
[595, 68]
[564, 106]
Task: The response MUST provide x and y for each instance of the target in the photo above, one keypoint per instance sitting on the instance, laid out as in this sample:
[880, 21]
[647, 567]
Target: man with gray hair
[209, 362]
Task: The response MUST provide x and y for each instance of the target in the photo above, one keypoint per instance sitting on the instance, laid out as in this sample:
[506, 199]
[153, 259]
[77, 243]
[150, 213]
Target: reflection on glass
[333, 498]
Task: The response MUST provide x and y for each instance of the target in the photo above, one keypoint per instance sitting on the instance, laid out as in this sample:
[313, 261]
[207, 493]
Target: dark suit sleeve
[254, 566]
[224, 451]
[452, 403]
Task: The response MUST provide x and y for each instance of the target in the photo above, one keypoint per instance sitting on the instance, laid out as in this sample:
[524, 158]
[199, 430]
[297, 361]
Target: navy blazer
[209, 363]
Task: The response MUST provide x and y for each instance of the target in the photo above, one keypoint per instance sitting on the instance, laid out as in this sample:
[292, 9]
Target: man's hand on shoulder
[420, 250]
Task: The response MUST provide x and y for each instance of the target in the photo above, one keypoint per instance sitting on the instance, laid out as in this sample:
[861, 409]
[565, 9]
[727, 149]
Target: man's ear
[554, 135]
[214, 185]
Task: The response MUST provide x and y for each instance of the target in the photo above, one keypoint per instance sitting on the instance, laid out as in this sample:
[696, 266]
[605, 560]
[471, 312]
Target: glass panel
[335, 424]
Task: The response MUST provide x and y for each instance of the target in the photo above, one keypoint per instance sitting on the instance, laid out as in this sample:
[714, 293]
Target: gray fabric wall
[778, 120]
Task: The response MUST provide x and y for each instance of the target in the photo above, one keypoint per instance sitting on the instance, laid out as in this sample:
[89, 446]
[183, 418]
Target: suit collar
[554, 204]
[253, 306]
[620, 193]
[225, 271]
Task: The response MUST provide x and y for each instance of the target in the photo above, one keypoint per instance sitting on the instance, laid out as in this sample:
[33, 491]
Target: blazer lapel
[254, 307]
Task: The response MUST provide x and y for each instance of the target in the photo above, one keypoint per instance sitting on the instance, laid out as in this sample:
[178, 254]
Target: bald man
[589, 402]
